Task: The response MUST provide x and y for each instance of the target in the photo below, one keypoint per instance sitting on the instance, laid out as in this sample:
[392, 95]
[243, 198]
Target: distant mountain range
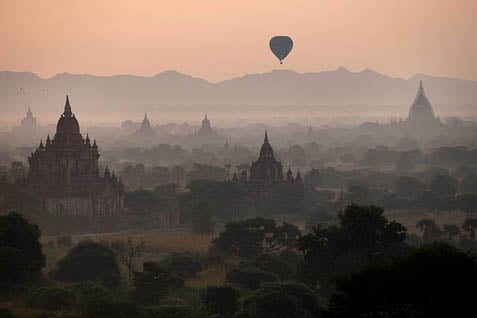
[278, 87]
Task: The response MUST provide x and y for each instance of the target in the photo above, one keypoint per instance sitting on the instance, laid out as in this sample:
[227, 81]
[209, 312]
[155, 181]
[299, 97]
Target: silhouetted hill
[126, 92]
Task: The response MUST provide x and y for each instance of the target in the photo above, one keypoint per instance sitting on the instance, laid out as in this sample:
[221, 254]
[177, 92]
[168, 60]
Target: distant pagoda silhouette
[421, 108]
[421, 121]
[145, 130]
[206, 134]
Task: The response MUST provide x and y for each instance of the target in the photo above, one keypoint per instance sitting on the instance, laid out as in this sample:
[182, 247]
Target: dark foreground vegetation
[361, 266]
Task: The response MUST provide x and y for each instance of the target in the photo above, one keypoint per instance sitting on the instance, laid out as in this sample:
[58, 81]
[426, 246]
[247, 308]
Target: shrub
[249, 277]
[221, 300]
[154, 282]
[277, 300]
[52, 298]
[87, 261]
[171, 311]
[184, 265]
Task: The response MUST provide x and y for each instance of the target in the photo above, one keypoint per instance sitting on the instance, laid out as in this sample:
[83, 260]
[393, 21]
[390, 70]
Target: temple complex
[65, 172]
[267, 170]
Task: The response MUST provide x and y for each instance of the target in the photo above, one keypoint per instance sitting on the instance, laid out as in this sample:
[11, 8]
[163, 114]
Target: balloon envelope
[281, 46]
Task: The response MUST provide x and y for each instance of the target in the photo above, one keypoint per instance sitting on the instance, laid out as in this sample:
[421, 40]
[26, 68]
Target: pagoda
[65, 172]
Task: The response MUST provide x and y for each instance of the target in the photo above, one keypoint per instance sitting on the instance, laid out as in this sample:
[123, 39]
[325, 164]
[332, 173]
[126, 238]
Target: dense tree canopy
[201, 217]
[21, 256]
[363, 234]
[428, 283]
[281, 300]
[408, 187]
[252, 237]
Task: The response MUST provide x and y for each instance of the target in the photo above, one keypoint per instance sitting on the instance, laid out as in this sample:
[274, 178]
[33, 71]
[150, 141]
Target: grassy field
[159, 244]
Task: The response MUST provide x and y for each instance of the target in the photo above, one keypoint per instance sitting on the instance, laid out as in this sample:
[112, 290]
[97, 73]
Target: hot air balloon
[281, 46]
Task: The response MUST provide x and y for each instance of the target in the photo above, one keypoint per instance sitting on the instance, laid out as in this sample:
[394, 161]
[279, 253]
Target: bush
[6, 313]
[265, 268]
[184, 265]
[221, 300]
[249, 277]
[52, 298]
[154, 282]
[281, 300]
[87, 261]
[171, 311]
[94, 300]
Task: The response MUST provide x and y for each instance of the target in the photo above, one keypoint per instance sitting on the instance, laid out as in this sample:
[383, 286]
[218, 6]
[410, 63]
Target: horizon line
[340, 68]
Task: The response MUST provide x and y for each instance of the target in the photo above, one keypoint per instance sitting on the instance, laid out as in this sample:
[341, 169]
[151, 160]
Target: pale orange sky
[221, 39]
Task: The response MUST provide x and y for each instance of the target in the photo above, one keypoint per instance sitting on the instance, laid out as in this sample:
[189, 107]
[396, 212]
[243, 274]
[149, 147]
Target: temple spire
[67, 112]
[145, 117]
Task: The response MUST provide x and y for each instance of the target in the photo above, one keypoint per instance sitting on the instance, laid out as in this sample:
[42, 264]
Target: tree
[183, 265]
[265, 268]
[201, 218]
[409, 287]
[128, 251]
[408, 187]
[363, 234]
[140, 199]
[404, 164]
[358, 194]
[153, 283]
[283, 198]
[443, 186]
[470, 225]
[466, 202]
[221, 300]
[87, 261]
[313, 177]
[469, 184]
[430, 230]
[17, 170]
[451, 230]
[21, 255]
[51, 298]
[282, 300]
[224, 197]
[252, 237]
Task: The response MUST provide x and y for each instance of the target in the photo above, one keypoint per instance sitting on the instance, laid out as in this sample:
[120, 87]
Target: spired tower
[206, 134]
[145, 130]
[266, 169]
[421, 121]
[29, 122]
[28, 129]
[421, 109]
[65, 173]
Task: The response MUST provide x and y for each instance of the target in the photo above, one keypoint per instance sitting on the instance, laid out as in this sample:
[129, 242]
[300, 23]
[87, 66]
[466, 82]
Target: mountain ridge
[276, 87]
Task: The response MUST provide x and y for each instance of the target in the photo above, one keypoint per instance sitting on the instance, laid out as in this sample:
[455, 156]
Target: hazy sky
[220, 39]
